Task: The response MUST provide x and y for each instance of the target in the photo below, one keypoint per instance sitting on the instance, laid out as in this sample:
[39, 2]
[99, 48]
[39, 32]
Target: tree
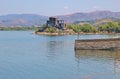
[102, 28]
[75, 28]
[109, 27]
[88, 28]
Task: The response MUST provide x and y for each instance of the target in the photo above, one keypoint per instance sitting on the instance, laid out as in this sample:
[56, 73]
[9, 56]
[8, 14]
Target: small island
[54, 26]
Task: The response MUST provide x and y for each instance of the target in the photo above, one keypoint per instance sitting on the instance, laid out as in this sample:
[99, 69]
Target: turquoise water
[24, 55]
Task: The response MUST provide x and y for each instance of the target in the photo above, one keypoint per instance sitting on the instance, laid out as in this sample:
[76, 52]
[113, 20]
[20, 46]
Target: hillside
[32, 19]
[90, 16]
[22, 20]
[97, 21]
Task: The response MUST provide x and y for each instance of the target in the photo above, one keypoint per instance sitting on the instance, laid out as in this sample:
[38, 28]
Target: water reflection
[52, 48]
[105, 62]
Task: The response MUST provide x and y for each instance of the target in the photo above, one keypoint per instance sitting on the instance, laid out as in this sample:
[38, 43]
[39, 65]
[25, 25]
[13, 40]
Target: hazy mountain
[90, 16]
[97, 21]
[32, 19]
[22, 20]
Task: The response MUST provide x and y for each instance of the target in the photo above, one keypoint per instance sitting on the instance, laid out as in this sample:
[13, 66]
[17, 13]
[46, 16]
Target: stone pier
[98, 44]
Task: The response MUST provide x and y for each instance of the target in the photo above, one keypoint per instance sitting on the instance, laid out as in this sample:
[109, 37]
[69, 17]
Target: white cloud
[66, 7]
[95, 7]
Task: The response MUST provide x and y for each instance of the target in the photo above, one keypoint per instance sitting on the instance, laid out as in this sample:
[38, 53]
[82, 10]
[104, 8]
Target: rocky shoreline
[71, 33]
[54, 34]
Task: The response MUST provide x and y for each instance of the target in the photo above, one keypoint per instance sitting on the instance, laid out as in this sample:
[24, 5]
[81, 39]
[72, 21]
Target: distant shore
[18, 28]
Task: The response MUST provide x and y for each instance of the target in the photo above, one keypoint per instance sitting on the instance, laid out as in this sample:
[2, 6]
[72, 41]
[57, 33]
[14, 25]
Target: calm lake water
[24, 55]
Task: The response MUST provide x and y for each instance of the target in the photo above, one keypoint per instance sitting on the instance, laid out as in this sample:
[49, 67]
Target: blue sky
[56, 7]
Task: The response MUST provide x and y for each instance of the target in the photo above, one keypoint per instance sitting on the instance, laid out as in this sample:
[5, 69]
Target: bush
[51, 29]
[109, 27]
[88, 28]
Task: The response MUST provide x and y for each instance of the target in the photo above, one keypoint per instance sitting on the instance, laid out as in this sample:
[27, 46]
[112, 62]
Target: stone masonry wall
[97, 44]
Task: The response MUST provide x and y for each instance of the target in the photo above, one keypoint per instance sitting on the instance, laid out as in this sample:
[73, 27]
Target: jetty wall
[97, 44]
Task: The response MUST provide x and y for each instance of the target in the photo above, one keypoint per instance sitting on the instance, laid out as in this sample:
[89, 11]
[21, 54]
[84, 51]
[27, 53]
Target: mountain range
[22, 20]
[33, 19]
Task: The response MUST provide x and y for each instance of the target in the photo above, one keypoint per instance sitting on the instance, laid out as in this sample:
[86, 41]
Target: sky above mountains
[56, 7]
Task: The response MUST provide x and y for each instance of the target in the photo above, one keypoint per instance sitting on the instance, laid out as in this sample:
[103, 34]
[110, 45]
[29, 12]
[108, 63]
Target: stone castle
[54, 22]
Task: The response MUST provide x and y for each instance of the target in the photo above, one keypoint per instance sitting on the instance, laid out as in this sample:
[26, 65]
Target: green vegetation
[51, 29]
[110, 27]
[17, 28]
[86, 28]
